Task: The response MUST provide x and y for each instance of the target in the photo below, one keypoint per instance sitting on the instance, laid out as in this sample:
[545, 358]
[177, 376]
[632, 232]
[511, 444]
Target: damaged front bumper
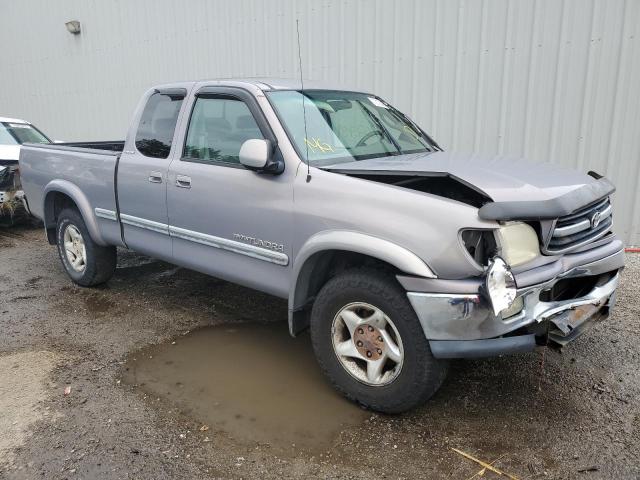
[13, 203]
[459, 322]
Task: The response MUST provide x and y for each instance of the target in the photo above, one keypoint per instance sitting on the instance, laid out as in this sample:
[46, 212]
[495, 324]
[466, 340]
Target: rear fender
[81, 201]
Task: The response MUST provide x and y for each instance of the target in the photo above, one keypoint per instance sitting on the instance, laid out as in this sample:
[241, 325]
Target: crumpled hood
[9, 152]
[501, 179]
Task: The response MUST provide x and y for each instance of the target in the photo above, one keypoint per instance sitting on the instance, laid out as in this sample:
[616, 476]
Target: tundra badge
[278, 247]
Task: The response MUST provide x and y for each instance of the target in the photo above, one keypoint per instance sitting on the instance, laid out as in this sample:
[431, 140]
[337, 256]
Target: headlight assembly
[517, 243]
[479, 244]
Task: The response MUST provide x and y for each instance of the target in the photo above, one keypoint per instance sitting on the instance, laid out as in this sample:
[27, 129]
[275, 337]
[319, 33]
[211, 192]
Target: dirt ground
[569, 414]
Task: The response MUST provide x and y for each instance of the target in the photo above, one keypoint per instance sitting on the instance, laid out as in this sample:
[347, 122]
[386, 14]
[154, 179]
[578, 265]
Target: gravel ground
[569, 414]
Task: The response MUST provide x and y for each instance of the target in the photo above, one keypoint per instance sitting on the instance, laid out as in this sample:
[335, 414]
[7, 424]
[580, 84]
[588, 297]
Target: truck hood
[501, 179]
[9, 154]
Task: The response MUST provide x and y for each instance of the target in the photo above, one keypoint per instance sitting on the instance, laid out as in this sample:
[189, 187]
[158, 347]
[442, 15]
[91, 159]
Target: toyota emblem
[595, 220]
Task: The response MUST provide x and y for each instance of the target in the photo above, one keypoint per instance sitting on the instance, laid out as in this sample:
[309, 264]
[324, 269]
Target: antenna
[304, 111]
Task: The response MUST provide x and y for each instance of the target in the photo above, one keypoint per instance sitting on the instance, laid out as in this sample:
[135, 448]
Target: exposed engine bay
[444, 185]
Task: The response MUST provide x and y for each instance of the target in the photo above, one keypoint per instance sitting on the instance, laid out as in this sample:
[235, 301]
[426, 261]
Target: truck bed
[85, 170]
[113, 146]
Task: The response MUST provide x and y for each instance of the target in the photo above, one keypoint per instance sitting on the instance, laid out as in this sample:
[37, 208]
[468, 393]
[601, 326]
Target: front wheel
[369, 342]
[87, 263]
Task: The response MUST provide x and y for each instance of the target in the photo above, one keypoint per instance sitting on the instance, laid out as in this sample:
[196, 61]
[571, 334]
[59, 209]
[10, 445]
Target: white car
[13, 133]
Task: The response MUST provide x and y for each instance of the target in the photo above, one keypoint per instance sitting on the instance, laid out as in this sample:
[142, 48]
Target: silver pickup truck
[395, 254]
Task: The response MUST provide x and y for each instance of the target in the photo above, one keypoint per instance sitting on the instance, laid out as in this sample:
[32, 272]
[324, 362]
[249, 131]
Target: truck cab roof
[264, 84]
[13, 120]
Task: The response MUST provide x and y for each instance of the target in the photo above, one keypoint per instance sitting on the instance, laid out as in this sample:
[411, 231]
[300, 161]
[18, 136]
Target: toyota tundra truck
[395, 254]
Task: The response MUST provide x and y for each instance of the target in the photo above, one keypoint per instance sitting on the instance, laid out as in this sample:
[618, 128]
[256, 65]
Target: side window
[217, 129]
[157, 125]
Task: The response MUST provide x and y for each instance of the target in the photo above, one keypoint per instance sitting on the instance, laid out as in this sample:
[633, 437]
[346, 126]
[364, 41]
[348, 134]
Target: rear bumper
[461, 324]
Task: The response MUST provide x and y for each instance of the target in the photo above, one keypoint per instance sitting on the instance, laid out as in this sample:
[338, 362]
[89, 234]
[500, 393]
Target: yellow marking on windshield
[412, 132]
[316, 144]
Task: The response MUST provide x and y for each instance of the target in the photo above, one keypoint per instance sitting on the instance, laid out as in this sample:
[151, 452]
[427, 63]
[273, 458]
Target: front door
[224, 219]
[142, 175]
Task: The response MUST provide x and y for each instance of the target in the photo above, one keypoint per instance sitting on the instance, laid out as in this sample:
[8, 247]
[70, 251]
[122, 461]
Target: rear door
[226, 220]
[142, 174]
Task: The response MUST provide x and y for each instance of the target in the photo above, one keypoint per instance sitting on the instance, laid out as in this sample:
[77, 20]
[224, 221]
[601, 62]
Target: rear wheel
[86, 262]
[369, 342]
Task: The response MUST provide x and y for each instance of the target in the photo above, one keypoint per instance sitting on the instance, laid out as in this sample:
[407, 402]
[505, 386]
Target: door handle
[183, 181]
[155, 177]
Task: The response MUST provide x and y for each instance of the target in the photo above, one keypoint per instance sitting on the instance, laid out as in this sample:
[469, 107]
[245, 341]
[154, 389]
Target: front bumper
[460, 323]
[13, 204]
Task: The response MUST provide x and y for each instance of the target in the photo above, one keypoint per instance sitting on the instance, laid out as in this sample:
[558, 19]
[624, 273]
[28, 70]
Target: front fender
[344, 240]
[79, 198]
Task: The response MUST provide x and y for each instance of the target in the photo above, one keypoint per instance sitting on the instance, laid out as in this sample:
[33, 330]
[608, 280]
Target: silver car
[396, 255]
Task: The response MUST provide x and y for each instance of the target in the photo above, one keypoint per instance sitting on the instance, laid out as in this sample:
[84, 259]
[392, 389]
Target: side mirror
[258, 154]
[255, 153]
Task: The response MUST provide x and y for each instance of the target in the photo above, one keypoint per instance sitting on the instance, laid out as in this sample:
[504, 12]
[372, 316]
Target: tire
[410, 382]
[99, 262]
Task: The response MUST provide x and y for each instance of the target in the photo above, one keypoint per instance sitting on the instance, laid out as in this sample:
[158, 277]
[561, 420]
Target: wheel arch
[59, 194]
[327, 253]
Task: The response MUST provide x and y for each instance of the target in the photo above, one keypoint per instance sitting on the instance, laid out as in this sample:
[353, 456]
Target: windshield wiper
[415, 127]
[381, 127]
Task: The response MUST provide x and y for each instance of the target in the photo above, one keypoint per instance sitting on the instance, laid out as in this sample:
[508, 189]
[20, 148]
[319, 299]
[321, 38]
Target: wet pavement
[251, 381]
[172, 374]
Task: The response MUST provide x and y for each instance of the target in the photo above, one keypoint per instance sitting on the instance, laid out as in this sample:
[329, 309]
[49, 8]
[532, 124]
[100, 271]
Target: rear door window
[158, 124]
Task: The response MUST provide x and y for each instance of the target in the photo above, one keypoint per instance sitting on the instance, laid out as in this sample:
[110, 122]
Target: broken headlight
[480, 244]
[517, 243]
[500, 286]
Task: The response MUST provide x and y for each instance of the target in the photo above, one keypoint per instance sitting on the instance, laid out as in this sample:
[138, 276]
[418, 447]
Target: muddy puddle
[251, 381]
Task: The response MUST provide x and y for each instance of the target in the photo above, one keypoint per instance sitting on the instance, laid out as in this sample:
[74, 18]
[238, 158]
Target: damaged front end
[460, 318]
[13, 204]
[568, 306]
[545, 279]
[439, 184]
[543, 260]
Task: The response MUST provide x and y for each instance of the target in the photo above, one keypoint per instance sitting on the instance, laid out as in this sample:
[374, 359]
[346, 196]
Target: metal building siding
[551, 80]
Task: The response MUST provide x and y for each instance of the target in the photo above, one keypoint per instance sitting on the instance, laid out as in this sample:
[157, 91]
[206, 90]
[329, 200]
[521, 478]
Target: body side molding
[144, 223]
[234, 246]
[106, 214]
[231, 245]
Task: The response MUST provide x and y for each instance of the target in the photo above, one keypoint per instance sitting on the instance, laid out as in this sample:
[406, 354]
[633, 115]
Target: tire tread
[429, 374]
[101, 260]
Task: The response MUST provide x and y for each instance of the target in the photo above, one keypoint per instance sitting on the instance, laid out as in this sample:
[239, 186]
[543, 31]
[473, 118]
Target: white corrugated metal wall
[552, 80]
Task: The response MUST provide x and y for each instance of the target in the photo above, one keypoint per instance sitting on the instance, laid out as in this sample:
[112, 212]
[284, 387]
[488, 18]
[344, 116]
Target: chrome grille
[581, 227]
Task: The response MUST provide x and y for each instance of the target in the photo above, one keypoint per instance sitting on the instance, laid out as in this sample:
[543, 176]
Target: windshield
[345, 126]
[19, 133]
